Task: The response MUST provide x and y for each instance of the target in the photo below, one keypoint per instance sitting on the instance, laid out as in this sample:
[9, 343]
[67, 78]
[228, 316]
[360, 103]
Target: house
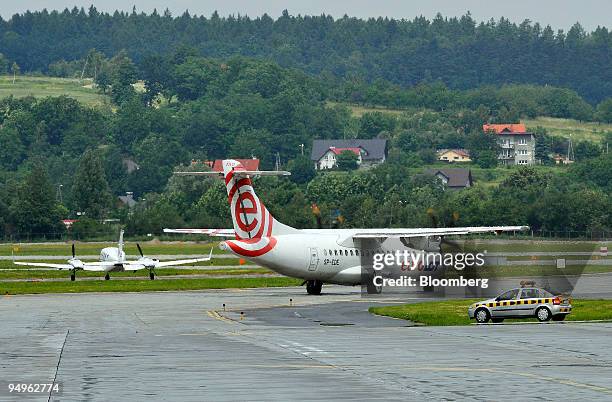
[369, 152]
[454, 179]
[454, 155]
[127, 200]
[562, 160]
[517, 145]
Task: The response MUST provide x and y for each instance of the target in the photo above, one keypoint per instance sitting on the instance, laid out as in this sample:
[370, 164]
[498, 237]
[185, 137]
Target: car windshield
[529, 293]
[509, 295]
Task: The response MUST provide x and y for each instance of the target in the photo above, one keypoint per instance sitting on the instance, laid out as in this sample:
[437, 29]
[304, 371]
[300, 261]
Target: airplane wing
[209, 232]
[136, 265]
[44, 264]
[98, 266]
[162, 264]
[424, 232]
[237, 173]
[133, 265]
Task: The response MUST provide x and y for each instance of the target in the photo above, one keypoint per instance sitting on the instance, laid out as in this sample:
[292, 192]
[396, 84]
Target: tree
[483, 148]
[586, 150]
[604, 111]
[35, 210]
[347, 160]
[302, 169]
[90, 191]
[15, 70]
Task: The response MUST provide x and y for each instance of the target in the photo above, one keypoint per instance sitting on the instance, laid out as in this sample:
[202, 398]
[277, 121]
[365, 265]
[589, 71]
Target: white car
[521, 303]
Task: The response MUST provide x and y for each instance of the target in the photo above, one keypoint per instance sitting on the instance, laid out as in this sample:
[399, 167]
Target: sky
[560, 14]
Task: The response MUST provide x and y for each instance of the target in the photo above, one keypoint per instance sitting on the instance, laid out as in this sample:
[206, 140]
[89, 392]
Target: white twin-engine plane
[315, 255]
[112, 259]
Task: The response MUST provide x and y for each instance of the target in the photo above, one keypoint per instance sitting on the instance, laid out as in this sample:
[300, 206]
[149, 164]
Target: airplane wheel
[72, 277]
[372, 289]
[151, 275]
[106, 277]
[314, 287]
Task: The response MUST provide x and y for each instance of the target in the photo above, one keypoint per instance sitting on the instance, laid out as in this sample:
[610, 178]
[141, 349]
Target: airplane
[112, 259]
[316, 256]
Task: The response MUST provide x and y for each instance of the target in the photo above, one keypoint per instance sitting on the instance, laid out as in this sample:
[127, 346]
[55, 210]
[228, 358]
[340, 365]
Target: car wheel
[543, 314]
[482, 316]
[559, 317]
[497, 320]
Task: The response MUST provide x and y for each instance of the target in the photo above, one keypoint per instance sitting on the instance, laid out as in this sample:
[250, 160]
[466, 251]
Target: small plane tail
[120, 244]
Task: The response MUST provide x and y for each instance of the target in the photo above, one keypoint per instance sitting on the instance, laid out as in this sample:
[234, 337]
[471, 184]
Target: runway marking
[521, 374]
[216, 315]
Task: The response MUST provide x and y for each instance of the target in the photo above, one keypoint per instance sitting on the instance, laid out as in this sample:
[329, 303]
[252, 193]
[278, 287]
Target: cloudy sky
[557, 13]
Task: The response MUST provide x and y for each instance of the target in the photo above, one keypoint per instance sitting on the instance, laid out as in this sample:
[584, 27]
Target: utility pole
[58, 195]
[302, 148]
[277, 163]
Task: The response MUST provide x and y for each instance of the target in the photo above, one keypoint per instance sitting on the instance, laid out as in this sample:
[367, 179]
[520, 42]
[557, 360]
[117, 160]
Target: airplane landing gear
[313, 287]
[106, 277]
[151, 275]
[73, 276]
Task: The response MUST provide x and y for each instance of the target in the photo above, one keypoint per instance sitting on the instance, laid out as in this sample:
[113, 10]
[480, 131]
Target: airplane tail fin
[120, 243]
[251, 218]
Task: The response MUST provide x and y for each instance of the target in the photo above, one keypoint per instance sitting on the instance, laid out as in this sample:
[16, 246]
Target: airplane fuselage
[318, 255]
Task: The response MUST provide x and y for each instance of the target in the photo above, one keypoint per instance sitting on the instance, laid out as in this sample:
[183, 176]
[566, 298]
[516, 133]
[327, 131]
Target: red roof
[249, 164]
[337, 151]
[505, 128]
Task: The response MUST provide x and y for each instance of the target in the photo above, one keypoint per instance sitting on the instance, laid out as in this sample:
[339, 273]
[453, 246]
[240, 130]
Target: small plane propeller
[76, 263]
[146, 261]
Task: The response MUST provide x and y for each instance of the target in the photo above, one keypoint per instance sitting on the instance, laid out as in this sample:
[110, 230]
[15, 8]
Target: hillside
[579, 130]
[461, 52]
[41, 87]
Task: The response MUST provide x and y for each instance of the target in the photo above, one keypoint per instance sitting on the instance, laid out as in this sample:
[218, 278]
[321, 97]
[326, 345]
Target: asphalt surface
[286, 346]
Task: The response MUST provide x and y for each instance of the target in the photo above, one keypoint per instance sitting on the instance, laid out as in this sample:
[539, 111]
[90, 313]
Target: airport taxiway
[184, 346]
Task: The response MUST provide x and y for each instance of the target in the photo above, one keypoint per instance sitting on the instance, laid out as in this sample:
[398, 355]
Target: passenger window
[346, 253]
[509, 295]
[529, 294]
[351, 252]
[324, 252]
[357, 253]
[335, 252]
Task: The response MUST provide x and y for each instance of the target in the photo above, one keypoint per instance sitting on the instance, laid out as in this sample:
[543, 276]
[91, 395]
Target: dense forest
[193, 88]
[62, 159]
[461, 53]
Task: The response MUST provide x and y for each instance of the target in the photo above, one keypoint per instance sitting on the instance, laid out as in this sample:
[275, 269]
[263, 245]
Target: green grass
[514, 271]
[41, 87]
[149, 248]
[564, 127]
[454, 312]
[538, 245]
[358, 110]
[144, 273]
[13, 288]
[215, 262]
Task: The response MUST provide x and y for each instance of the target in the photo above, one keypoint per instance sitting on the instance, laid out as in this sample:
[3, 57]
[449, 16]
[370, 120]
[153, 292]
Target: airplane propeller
[75, 262]
[146, 261]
